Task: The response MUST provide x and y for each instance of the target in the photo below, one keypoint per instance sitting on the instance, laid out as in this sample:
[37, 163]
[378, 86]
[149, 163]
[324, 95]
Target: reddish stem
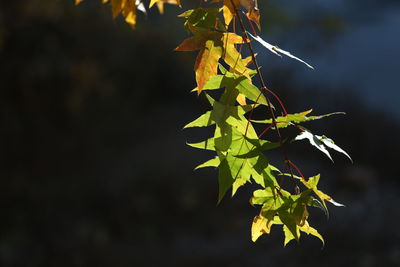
[297, 169]
[251, 24]
[266, 130]
[278, 99]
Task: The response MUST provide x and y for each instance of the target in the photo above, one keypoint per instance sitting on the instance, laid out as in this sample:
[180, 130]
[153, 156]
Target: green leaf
[214, 162]
[251, 92]
[262, 196]
[202, 121]
[285, 121]
[258, 146]
[214, 83]
[312, 183]
[230, 170]
[288, 235]
[288, 220]
[207, 144]
[200, 17]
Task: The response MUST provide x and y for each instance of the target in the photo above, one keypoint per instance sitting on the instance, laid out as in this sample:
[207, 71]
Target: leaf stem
[263, 87]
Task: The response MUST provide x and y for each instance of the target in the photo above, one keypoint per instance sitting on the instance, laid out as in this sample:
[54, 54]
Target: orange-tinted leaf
[206, 64]
[213, 46]
[253, 12]
[229, 10]
[160, 4]
[241, 99]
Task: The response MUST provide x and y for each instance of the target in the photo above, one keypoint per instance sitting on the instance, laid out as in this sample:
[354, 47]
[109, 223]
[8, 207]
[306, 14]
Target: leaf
[208, 144]
[229, 10]
[240, 82]
[258, 146]
[262, 196]
[261, 226]
[241, 99]
[214, 162]
[315, 141]
[285, 121]
[253, 12]
[276, 50]
[213, 46]
[288, 220]
[312, 183]
[160, 4]
[329, 143]
[201, 17]
[320, 142]
[202, 121]
[288, 235]
[231, 169]
[316, 203]
[306, 228]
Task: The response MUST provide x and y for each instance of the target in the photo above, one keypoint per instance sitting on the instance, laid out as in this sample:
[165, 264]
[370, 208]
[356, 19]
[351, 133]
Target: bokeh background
[94, 167]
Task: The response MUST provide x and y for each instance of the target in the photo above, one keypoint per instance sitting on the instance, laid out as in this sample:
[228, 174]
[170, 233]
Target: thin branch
[263, 86]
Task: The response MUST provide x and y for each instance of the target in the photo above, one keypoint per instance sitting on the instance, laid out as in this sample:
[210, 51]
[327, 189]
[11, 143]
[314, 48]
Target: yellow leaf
[289, 235]
[262, 226]
[306, 228]
[241, 99]
[213, 46]
[77, 2]
[229, 10]
[129, 12]
[259, 227]
[160, 4]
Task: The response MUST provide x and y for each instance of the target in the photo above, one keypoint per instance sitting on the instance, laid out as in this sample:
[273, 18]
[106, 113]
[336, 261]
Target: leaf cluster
[225, 77]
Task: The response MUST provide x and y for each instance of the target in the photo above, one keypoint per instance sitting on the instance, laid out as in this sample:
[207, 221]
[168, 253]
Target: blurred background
[94, 166]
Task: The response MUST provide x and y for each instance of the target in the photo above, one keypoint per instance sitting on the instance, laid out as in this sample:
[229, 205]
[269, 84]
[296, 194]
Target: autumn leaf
[253, 12]
[214, 46]
[228, 9]
[160, 4]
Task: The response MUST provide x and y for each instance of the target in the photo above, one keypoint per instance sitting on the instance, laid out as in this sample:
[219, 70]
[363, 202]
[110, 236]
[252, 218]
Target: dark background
[94, 167]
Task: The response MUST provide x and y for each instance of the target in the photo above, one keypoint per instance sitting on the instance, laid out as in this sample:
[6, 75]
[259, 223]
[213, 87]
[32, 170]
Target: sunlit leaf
[320, 142]
[276, 50]
[213, 46]
[214, 162]
[289, 119]
[261, 226]
[306, 228]
[253, 12]
[201, 17]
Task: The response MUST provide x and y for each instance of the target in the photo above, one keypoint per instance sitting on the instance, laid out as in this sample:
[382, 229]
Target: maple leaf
[213, 46]
[160, 4]
[128, 9]
[253, 12]
[228, 9]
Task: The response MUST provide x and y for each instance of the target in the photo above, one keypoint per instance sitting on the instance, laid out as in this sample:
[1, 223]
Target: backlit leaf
[213, 46]
[214, 162]
[285, 121]
[276, 50]
[320, 142]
